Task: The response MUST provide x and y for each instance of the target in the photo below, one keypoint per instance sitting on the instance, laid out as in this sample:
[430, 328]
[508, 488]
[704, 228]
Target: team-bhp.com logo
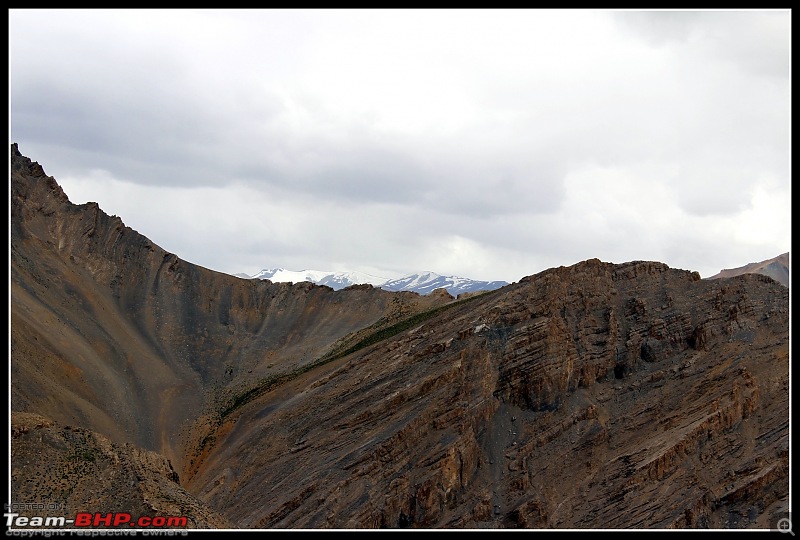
[121, 519]
[96, 520]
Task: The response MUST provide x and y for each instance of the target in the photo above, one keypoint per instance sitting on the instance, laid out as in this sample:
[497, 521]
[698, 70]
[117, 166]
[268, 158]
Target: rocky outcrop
[76, 470]
[593, 396]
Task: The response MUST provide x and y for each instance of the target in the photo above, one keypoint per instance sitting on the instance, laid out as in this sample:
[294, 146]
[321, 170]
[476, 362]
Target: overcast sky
[484, 144]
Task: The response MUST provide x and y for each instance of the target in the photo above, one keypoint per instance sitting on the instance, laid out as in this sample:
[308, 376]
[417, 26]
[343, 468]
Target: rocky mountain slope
[777, 268]
[111, 333]
[593, 396]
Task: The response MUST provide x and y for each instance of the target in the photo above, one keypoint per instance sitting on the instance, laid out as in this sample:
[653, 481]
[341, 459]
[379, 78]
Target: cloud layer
[490, 144]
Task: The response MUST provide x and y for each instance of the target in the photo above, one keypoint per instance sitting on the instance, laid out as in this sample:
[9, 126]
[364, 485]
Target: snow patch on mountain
[427, 282]
[335, 280]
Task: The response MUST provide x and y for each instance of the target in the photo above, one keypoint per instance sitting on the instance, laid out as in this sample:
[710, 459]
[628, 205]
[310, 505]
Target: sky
[488, 144]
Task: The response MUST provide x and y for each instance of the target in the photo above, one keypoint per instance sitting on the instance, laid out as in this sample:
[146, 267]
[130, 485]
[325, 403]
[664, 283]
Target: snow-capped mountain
[422, 283]
[426, 282]
[334, 280]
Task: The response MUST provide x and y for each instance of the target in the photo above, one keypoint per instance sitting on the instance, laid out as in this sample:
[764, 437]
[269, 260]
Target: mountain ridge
[777, 268]
[598, 395]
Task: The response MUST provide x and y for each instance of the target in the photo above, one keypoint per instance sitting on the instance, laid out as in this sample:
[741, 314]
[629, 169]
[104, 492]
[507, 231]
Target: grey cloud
[504, 190]
[660, 27]
[474, 135]
[758, 41]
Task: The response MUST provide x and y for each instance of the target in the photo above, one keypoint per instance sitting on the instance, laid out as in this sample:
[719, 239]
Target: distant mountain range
[777, 268]
[422, 283]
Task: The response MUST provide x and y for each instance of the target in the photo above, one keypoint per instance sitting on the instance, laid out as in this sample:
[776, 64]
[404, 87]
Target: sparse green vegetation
[84, 453]
[269, 383]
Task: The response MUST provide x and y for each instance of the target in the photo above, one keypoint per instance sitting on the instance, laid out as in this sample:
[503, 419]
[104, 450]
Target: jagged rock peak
[34, 170]
[616, 271]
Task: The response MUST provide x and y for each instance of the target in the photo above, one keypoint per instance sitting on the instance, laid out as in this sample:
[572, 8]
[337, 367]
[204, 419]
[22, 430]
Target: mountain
[427, 282]
[600, 395]
[334, 280]
[423, 283]
[777, 268]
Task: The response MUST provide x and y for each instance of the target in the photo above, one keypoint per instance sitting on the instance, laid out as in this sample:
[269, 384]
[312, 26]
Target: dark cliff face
[595, 396]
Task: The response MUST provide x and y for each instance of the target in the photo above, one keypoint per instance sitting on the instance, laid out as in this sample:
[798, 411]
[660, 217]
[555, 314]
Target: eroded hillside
[113, 333]
[594, 396]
